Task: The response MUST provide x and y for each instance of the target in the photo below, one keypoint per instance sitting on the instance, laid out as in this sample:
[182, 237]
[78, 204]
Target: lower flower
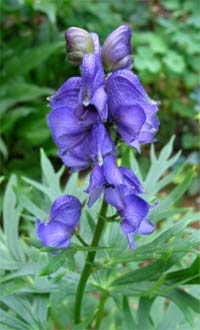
[63, 218]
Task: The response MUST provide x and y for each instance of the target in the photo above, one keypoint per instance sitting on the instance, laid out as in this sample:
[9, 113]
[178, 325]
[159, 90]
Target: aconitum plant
[89, 114]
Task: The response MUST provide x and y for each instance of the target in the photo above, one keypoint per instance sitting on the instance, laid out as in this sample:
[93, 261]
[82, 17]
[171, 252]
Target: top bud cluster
[91, 111]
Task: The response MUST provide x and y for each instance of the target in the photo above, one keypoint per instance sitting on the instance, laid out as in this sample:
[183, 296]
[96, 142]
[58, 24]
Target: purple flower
[115, 182]
[130, 108]
[92, 97]
[108, 179]
[116, 50]
[78, 104]
[134, 218]
[63, 218]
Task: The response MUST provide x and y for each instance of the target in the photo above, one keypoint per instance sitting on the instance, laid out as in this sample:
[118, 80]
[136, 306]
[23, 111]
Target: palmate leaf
[8, 321]
[22, 306]
[163, 244]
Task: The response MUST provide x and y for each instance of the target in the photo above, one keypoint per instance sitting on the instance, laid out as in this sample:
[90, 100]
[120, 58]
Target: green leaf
[152, 271]
[188, 275]
[21, 92]
[11, 220]
[174, 61]
[56, 262]
[22, 307]
[185, 302]
[41, 303]
[40, 187]
[31, 207]
[30, 59]
[128, 317]
[143, 313]
[51, 179]
[3, 148]
[11, 322]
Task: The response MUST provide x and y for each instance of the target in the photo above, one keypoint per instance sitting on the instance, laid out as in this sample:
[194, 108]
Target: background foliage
[154, 287]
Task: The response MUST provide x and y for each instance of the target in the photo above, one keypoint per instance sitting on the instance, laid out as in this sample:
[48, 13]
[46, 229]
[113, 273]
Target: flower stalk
[88, 264]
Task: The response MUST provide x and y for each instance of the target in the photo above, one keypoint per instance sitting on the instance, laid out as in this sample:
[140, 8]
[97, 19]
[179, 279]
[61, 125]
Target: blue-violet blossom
[62, 221]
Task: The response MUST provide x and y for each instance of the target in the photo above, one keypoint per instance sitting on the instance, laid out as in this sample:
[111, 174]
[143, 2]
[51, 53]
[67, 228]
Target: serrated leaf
[12, 322]
[22, 307]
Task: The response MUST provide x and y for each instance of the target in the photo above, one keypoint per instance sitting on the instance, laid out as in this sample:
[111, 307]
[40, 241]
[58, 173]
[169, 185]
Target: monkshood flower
[63, 219]
[93, 149]
[116, 50]
[131, 109]
[78, 104]
[134, 218]
[92, 97]
[115, 182]
[78, 42]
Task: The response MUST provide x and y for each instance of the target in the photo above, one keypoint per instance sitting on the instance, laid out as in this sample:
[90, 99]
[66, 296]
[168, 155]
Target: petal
[129, 122]
[92, 76]
[77, 158]
[66, 130]
[66, 209]
[115, 197]
[101, 144]
[135, 211]
[96, 178]
[53, 234]
[99, 100]
[146, 227]
[111, 171]
[124, 88]
[131, 182]
[85, 116]
[95, 187]
[67, 94]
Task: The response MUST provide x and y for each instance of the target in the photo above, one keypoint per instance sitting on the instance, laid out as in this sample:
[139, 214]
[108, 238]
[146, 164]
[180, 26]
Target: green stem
[100, 312]
[88, 265]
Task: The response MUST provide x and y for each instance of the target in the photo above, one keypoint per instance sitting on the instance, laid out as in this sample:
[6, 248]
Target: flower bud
[116, 50]
[78, 42]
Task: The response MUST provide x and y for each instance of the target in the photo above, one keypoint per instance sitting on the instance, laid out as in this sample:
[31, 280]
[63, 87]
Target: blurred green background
[166, 48]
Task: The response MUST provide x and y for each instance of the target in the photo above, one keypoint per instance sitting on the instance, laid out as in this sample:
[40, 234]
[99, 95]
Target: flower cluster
[86, 112]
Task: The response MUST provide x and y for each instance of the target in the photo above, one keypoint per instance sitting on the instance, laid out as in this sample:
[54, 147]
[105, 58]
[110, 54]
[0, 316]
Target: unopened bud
[116, 50]
[78, 42]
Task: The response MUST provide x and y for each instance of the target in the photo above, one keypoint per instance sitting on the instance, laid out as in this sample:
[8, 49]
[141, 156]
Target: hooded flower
[134, 218]
[115, 182]
[92, 97]
[116, 50]
[78, 104]
[63, 218]
[130, 108]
